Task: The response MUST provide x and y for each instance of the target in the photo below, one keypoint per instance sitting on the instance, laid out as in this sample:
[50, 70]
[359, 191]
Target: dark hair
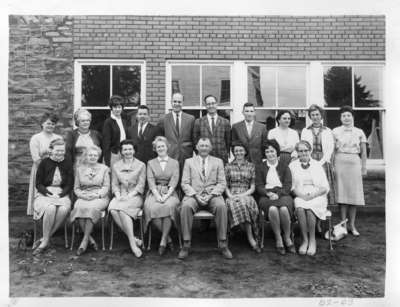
[47, 115]
[55, 142]
[239, 144]
[205, 98]
[302, 142]
[116, 100]
[271, 143]
[144, 107]
[314, 108]
[280, 113]
[127, 142]
[248, 104]
[345, 109]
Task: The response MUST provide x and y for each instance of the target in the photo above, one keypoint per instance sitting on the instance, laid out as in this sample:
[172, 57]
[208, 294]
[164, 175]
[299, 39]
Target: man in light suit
[203, 183]
[214, 127]
[177, 127]
[250, 133]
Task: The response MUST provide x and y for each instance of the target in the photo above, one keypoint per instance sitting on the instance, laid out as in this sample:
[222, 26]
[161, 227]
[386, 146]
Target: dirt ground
[356, 268]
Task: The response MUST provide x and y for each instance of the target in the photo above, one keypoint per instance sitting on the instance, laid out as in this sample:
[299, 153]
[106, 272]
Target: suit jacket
[252, 142]
[181, 146]
[193, 181]
[144, 144]
[220, 139]
[111, 138]
[284, 174]
[72, 137]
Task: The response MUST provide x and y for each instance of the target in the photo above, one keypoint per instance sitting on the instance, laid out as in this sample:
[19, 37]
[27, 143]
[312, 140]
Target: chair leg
[66, 234]
[111, 233]
[141, 228]
[262, 230]
[72, 234]
[330, 234]
[102, 233]
[34, 231]
[149, 237]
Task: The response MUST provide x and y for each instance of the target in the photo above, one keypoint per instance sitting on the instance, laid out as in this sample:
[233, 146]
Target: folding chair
[102, 217]
[35, 226]
[140, 216]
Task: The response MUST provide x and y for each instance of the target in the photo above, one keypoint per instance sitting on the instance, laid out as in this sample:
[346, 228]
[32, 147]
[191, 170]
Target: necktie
[203, 168]
[177, 123]
[213, 125]
[141, 130]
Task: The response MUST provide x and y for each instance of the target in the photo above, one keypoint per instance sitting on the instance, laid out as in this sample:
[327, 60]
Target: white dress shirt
[249, 126]
[179, 119]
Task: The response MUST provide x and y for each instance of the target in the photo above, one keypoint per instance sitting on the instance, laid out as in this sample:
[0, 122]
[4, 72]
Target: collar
[210, 118]
[163, 160]
[236, 162]
[114, 117]
[350, 128]
[174, 114]
[143, 125]
[249, 123]
[57, 161]
[272, 165]
[322, 127]
[80, 133]
[201, 159]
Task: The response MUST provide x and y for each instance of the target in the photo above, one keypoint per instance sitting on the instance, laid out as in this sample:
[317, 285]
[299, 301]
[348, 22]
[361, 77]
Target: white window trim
[78, 63]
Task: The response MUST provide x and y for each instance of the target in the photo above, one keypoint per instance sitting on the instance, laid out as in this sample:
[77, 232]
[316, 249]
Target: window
[197, 80]
[271, 87]
[97, 80]
[361, 87]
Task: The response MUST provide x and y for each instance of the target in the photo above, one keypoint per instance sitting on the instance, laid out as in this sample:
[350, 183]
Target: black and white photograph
[201, 154]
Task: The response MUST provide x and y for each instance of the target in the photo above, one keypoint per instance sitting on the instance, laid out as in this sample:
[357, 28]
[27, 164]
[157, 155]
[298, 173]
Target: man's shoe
[184, 253]
[226, 253]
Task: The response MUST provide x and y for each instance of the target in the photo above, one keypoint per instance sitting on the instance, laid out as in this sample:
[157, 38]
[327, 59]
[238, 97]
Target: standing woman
[162, 201]
[286, 137]
[350, 144]
[128, 182]
[240, 185]
[322, 143]
[91, 187]
[54, 180]
[82, 137]
[114, 131]
[39, 147]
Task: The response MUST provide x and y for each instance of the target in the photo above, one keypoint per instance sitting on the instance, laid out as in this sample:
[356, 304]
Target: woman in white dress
[286, 137]
[39, 148]
[310, 185]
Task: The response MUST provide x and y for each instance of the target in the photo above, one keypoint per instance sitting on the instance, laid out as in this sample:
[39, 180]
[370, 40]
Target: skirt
[154, 209]
[90, 209]
[317, 205]
[284, 201]
[285, 158]
[330, 175]
[32, 190]
[349, 184]
[42, 202]
[130, 206]
[243, 211]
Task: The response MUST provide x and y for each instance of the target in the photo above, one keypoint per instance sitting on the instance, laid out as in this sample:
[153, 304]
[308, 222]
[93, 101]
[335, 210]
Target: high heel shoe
[139, 242]
[94, 245]
[80, 251]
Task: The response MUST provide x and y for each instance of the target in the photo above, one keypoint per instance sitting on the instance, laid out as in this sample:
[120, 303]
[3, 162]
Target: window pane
[368, 86]
[95, 85]
[187, 80]
[126, 83]
[195, 113]
[212, 80]
[337, 86]
[261, 85]
[370, 122]
[291, 87]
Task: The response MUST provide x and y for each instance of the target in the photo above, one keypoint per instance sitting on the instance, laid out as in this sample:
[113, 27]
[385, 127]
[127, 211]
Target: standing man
[143, 133]
[250, 133]
[214, 127]
[203, 182]
[177, 127]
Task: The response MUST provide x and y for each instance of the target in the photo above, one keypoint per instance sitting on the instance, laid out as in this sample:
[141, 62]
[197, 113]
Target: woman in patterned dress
[162, 200]
[54, 181]
[285, 136]
[39, 147]
[92, 188]
[350, 165]
[128, 182]
[240, 185]
[273, 184]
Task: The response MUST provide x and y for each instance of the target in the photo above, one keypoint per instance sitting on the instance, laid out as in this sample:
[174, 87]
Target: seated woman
[310, 186]
[162, 200]
[128, 182]
[273, 183]
[54, 180]
[240, 185]
[91, 187]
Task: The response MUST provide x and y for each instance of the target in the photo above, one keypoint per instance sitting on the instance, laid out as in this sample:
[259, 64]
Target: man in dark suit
[250, 133]
[143, 133]
[177, 127]
[214, 127]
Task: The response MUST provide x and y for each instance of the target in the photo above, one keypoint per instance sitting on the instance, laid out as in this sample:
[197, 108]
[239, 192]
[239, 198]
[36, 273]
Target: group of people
[171, 170]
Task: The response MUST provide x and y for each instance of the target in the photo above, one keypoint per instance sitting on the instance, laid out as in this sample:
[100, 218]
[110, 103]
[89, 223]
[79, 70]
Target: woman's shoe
[256, 248]
[161, 250]
[94, 246]
[170, 245]
[39, 250]
[139, 242]
[80, 251]
[354, 232]
[291, 249]
[303, 249]
[281, 250]
[36, 244]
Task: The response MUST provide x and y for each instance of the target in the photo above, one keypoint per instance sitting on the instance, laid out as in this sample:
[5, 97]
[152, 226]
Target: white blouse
[272, 180]
[287, 139]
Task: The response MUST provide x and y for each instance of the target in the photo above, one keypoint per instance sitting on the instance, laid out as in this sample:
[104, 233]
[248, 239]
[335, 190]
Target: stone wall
[40, 79]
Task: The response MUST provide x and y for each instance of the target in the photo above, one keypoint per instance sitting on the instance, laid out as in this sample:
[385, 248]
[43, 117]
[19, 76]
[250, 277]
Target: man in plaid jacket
[214, 127]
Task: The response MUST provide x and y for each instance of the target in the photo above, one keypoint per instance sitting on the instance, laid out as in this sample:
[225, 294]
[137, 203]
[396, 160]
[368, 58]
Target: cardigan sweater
[111, 138]
[72, 138]
[45, 175]
[284, 176]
